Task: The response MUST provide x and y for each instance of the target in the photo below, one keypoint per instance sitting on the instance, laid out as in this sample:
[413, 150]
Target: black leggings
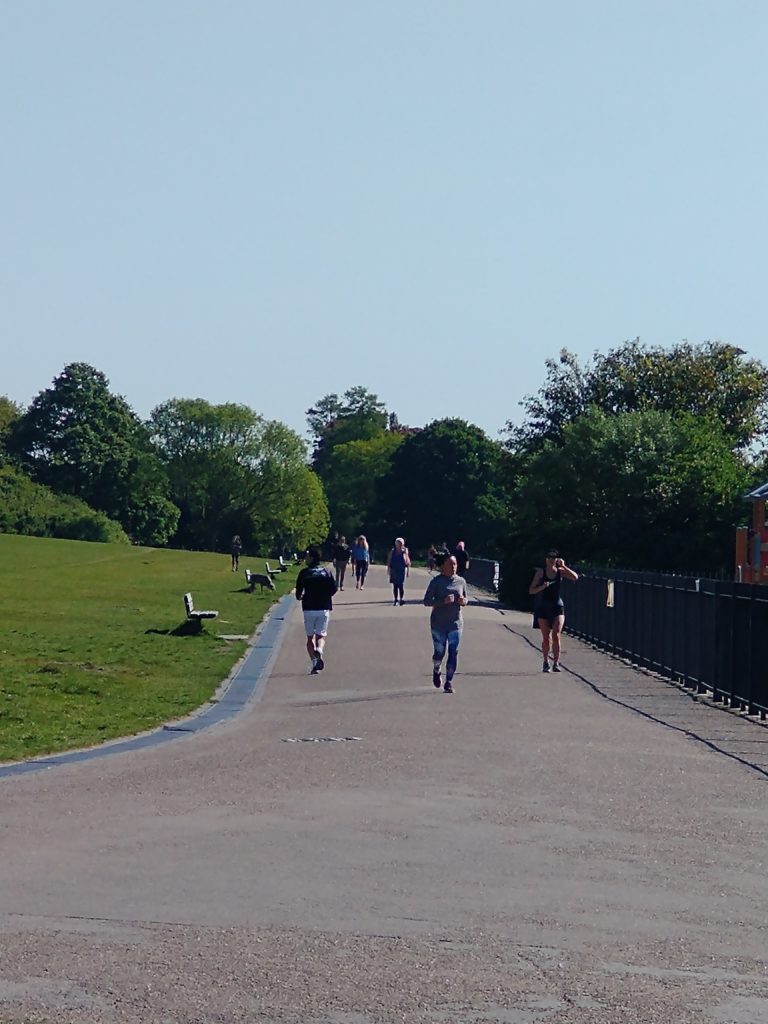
[361, 568]
[397, 591]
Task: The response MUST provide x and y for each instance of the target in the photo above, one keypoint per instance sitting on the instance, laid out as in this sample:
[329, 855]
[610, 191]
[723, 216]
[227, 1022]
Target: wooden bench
[272, 572]
[197, 616]
[284, 566]
[252, 578]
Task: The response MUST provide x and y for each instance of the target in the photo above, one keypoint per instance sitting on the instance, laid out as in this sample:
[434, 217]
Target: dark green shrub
[34, 510]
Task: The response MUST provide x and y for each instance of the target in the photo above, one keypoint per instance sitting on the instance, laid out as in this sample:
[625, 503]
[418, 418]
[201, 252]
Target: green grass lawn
[94, 642]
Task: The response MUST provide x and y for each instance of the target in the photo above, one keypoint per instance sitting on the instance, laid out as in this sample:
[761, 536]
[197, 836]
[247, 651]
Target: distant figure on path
[446, 595]
[431, 558]
[361, 556]
[548, 606]
[341, 554]
[462, 558]
[235, 548]
[398, 563]
[315, 588]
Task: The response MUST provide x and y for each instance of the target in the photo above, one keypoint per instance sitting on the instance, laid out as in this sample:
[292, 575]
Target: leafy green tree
[446, 483]
[183, 426]
[301, 516]
[713, 379]
[288, 500]
[151, 518]
[358, 416]
[209, 452]
[232, 471]
[78, 438]
[323, 414]
[9, 412]
[637, 490]
[352, 476]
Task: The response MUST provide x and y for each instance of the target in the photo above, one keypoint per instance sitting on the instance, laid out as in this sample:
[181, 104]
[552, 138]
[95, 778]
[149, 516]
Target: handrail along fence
[707, 634]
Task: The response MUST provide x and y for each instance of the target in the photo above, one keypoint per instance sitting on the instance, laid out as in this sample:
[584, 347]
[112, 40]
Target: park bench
[272, 572]
[194, 615]
[284, 566]
[252, 578]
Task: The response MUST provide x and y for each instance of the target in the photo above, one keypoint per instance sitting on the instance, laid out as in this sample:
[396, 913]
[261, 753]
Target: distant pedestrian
[341, 555]
[548, 605]
[462, 558]
[235, 547]
[315, 587]
[431, 557]
[398, 563]
[361, 556]
[446, 595]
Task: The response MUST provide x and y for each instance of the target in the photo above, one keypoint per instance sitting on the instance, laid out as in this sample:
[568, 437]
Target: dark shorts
[548, 612]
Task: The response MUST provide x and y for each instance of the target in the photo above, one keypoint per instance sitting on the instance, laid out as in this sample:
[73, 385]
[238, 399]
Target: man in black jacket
[315, 588]
[341, 553]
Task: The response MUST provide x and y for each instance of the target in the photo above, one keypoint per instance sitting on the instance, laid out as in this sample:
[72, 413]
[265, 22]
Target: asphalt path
[359, 848]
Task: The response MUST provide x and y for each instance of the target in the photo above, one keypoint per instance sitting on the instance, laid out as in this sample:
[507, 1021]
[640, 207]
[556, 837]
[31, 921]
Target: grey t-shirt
[445, 616]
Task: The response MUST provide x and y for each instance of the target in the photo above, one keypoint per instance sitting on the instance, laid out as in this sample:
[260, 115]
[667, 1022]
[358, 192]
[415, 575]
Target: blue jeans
[442, 638]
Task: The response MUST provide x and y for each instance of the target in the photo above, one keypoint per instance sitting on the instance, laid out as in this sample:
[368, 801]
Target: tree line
[191, 475]
[638, 457]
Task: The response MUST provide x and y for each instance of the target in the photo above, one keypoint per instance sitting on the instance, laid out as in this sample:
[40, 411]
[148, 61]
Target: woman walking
[548, 606]
[361, 556]
[235, 547]
[398, 563]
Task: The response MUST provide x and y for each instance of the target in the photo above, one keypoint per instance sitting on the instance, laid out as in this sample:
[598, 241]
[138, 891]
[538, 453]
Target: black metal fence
[483, 573]
[707, 634]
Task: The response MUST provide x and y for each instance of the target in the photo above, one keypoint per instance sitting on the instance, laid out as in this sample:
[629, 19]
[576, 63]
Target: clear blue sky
[266, 202]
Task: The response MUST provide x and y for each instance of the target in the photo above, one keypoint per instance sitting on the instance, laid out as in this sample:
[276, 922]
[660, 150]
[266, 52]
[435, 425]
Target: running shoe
[319, 664]
[556, 666]
[437, 682]
[447, 688]
[545, 667]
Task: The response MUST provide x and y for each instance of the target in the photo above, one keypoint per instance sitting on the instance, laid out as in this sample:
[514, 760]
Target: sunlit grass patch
[93, 638]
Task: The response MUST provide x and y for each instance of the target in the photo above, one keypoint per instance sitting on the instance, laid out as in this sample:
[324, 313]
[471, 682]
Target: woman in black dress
[548, 606]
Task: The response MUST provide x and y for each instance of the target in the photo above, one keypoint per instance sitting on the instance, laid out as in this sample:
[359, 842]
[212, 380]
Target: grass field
[94, 642]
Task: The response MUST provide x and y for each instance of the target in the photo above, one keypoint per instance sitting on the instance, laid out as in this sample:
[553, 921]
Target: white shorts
[316, 623]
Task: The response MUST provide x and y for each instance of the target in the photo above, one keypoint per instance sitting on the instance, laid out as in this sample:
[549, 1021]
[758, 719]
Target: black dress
[548, 605]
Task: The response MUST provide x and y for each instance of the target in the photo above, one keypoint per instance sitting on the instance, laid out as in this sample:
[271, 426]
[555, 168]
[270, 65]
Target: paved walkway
[530, 849]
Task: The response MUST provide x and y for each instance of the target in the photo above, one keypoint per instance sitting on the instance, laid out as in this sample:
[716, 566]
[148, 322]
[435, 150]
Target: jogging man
[315, 588]
[446, 595]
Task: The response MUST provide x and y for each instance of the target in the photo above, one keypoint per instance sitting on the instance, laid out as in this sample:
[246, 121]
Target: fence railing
[483, 573]
[707, 634]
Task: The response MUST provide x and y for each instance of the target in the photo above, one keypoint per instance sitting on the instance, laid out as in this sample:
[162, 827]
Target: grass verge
[94, 642]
